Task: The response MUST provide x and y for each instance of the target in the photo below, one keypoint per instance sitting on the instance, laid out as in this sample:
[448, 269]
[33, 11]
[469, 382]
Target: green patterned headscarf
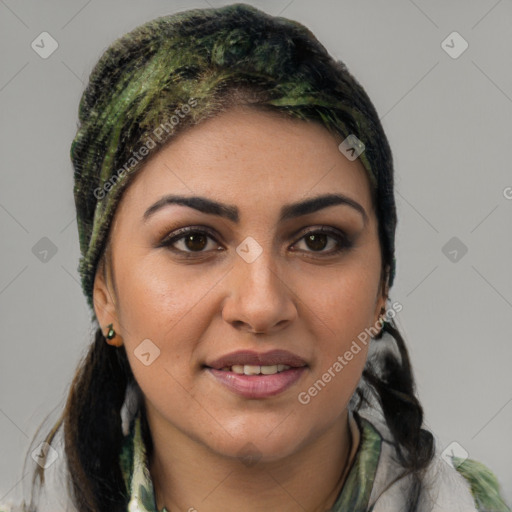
[175, 71]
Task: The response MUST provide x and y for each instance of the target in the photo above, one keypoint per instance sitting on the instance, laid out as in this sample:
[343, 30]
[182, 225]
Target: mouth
[257, 375]
[254, 362]
[249, 369]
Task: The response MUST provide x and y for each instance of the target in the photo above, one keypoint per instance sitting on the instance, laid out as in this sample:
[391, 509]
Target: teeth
[249, 369]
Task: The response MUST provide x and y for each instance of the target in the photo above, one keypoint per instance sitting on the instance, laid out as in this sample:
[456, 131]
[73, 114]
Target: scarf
[462, 486]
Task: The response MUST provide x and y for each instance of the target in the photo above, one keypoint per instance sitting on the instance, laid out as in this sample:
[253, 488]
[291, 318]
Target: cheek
[344, 300]
[159, 295]
[165, 305]
[342, 315]
[339, 313]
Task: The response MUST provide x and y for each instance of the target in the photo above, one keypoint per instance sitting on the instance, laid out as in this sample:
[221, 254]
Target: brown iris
[196, 241]
[316, 241]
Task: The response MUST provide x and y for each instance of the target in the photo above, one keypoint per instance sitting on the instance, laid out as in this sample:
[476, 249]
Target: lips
[251, 358]
[255, 375]
[258, 386]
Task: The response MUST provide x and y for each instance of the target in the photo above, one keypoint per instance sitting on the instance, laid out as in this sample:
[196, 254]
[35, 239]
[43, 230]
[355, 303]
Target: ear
[105, 304]
[382, 294]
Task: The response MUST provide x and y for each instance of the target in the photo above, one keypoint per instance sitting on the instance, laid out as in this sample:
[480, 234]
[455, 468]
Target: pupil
[319, 241]
[192, 243]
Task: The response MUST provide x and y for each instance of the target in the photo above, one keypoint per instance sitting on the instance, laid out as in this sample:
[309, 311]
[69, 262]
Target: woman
[234, 195]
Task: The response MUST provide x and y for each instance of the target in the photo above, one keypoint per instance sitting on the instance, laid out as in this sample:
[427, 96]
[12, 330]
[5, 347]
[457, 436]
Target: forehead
[249, 157]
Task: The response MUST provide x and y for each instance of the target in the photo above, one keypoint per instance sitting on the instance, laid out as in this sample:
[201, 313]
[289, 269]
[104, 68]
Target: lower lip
[258, 386]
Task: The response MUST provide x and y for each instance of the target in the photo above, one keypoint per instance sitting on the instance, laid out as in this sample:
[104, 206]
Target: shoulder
[466, 484]
[459, 486]
[483, 484]
[54, 495]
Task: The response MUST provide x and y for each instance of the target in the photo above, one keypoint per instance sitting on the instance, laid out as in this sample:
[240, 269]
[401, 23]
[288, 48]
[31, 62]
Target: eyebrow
[231, 212]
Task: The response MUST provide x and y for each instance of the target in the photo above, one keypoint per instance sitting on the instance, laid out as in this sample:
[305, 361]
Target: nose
[259, 298]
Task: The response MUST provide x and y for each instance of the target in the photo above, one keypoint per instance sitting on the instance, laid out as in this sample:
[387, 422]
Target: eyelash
[344, 243]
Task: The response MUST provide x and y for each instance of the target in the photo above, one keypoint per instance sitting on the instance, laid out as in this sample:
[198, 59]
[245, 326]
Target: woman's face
[245, 270]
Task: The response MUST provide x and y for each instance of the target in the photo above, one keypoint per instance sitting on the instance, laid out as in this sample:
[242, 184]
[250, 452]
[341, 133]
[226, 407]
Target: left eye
[317, 240]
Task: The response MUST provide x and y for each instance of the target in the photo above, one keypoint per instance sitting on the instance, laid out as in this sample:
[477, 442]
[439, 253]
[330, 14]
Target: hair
[235, 55]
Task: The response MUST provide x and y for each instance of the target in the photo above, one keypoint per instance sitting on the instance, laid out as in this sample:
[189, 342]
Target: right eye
[192, 240]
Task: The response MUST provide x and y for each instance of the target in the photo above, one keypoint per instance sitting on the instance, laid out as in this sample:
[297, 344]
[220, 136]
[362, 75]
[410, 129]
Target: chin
[258, 447]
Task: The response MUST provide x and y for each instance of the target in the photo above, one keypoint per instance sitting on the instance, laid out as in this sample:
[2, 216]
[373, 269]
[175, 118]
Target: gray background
[448, 122]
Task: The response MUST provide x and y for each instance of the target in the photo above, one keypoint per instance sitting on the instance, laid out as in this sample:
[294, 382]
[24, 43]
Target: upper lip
[249, 357]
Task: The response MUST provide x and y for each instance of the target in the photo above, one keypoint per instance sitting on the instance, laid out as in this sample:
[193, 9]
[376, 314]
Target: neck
[308, 480]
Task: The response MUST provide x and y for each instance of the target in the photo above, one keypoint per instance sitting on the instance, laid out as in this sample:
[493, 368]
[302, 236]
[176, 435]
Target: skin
[295, 295]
